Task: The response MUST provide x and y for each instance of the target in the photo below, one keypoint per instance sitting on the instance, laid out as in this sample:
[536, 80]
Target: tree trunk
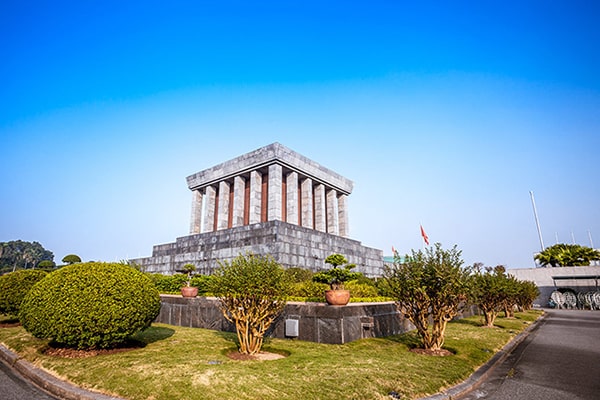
[490, 318]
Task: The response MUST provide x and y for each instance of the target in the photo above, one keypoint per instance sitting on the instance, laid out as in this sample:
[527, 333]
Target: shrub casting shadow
[154, 334]
[409, 339]
[463, 321]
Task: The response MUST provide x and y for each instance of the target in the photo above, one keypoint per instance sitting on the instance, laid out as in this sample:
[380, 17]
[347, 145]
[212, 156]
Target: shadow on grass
[227, 336]
[153, 334]
[409, 339]
[476, 323]
[8, 321]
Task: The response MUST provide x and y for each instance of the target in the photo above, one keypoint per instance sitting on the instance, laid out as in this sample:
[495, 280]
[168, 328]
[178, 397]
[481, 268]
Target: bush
[168, 284]
[310, 290]
[253, 291]
[46, 264]
[202, 282]
[335, 277]
[14, 286]
[172, 284]
[297, 274]
[90, 305]
[358, 289]
[429, 287]
[71, 259]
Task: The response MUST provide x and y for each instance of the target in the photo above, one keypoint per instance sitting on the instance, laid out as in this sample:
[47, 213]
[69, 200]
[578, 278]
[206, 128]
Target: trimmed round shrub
[46, 264]
[90, 305]
[71, 259]
[14, 286]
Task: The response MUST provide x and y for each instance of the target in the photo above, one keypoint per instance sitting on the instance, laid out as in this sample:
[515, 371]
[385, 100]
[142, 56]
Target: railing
[572, 300]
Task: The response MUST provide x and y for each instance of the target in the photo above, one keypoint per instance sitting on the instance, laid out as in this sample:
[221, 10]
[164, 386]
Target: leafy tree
[527, 293]
[511, 296]
[429, 286]
[71, 259]
[490, 291]
[495, 290]
[19, 254]
[338, 274]
[252, 291]
[567, 255]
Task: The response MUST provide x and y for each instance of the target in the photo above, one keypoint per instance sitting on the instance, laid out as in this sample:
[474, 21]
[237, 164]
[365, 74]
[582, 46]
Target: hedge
[14, 286]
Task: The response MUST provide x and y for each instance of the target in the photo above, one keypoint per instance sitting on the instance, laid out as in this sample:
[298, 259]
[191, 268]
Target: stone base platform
[291, 246]
[313, 322]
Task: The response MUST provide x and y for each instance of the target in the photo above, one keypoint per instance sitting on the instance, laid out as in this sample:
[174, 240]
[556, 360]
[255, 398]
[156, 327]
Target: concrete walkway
[560, 359]
[14, 387]
[22, 373]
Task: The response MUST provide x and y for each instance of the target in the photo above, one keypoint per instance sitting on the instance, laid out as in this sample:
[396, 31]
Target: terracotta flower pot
[189, 291]
[337, 297]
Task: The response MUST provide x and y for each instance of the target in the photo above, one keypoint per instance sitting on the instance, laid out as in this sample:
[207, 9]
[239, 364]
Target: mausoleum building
[269, 201]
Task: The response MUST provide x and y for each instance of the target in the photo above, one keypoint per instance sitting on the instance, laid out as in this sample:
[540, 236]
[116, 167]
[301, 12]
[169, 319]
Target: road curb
[47, 382]
[477, 378]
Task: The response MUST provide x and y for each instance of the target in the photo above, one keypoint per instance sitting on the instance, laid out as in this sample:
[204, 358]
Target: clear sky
[444, 114]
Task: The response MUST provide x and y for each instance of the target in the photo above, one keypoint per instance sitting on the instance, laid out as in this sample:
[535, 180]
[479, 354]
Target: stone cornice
[274, 153]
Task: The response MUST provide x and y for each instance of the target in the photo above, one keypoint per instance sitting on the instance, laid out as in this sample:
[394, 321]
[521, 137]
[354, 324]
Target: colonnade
[271, 193]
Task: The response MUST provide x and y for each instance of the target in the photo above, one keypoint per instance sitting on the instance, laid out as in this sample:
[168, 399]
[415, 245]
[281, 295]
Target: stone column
[275, 197]
[320, 208]
[343, 215]
[222, 218]
[196, 217]
[292, 198]
[307, 203]
[239, 186]
[209, 209]
[332, 213]
[255, 193]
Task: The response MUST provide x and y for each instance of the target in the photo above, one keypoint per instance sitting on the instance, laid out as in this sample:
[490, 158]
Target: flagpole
[537, 222]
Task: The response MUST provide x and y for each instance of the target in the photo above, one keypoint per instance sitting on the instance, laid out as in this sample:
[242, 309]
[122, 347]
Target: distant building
[574, 279]
[269, 201]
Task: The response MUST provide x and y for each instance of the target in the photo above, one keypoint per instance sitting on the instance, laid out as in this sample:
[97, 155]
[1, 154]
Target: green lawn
[190, 363]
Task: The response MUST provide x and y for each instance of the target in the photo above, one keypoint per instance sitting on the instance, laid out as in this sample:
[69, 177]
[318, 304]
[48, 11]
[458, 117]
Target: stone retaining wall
[314, 322]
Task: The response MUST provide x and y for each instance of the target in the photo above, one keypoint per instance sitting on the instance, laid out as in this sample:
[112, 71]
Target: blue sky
[444, 115]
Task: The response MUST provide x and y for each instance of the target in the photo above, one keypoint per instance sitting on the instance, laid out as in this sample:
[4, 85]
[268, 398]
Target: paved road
[13, 387]
[558, 360]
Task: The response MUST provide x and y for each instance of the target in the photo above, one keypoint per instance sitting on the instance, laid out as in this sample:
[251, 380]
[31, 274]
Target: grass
[191, 363]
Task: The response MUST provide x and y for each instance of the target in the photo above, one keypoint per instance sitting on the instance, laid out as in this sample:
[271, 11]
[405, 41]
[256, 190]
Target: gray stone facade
[269, 201]
[291, 245]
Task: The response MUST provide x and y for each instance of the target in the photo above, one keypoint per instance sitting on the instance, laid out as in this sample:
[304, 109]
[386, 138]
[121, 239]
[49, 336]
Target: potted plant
[335, 278]
[188, 290]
